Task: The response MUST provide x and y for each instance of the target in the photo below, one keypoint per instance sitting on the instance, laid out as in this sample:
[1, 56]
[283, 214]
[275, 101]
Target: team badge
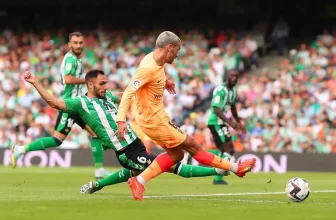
[136, 84]
[68, 66]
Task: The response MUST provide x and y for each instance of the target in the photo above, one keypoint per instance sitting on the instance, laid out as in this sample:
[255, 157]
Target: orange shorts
[166, 134]
[141, 135]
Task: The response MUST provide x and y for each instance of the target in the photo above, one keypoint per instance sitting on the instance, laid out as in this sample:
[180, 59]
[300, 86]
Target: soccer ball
[297, 189]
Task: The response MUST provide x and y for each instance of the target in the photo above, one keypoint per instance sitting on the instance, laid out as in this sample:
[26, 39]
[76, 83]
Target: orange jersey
[148, 87]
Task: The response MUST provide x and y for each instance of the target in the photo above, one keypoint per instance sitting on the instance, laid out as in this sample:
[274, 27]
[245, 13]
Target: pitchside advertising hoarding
[266, 162]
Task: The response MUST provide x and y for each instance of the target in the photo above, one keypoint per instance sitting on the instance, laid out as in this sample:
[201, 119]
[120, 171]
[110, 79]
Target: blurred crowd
[291, 109]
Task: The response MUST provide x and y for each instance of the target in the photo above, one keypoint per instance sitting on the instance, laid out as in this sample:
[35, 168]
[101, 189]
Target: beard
[98, 95]
[77, 52]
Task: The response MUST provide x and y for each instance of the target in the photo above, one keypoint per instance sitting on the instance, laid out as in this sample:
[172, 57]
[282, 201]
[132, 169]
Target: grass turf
[53, 194]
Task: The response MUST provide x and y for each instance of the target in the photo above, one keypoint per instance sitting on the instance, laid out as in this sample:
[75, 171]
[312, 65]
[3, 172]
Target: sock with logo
[117, 177]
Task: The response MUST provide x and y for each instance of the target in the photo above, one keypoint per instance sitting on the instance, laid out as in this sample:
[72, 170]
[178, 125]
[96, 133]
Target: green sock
[42, 143]
[97, 152]
[217, 153]
[193, 171]
[117, 177]
[214, 151]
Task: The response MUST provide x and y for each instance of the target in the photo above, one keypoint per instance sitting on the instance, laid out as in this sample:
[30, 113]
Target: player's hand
[241, 128]
[29, 77]
[122, 130]
[238, 127]
[170, 86]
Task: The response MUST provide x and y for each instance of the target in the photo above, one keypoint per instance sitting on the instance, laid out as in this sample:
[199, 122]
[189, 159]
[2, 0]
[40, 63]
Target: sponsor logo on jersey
[158, 96]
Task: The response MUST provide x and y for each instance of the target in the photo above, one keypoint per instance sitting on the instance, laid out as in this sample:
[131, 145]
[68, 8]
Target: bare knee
[192, 146]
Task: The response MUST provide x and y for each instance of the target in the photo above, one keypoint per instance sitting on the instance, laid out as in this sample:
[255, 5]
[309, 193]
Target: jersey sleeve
[70, 66]
[141, 78]
[72, 105]
[218, 98]
[114, 98]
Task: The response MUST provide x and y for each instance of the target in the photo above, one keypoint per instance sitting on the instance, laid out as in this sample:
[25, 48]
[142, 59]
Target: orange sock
[160, 165]
[220, 163]
[152, 171]
[209, 159]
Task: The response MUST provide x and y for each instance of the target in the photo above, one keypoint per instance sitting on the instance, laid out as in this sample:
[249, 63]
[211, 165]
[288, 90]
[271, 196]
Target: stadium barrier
[266, 162]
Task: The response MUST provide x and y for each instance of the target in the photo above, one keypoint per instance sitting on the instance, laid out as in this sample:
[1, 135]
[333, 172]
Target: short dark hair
[92, 74]
[77, 34]
[233, 71]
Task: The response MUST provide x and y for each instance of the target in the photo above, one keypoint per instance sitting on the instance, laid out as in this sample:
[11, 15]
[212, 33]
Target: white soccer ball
[297, 189]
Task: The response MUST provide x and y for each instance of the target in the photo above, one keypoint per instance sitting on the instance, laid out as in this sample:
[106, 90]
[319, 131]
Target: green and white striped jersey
[100, 115]
[223, 98]
[74, 66]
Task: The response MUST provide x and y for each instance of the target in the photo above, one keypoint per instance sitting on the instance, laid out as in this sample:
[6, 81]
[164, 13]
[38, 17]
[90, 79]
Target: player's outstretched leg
[39, 144]
[208, 159]
[115, 178]
[240, 168]
[161, 164]
[189, 171]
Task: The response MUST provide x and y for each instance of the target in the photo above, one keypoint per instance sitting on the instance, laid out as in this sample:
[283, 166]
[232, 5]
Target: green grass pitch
[53, 194]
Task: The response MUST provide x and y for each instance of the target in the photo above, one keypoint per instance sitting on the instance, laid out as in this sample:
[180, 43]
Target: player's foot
[15, 155]
[220, 182]
[245, 166]
[89, 188]
[222, 172]
[137, 188]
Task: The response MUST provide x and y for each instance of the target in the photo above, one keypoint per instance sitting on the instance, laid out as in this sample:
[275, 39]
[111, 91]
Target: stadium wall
[266, 162]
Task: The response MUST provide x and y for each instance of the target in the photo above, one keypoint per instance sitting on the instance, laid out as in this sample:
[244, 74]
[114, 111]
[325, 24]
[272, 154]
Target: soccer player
[224, 99]
[72, 80]
[99, 112]
[148, 86]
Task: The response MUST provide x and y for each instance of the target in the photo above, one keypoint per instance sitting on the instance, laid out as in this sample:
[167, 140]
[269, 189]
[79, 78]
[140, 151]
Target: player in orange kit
[148, 85]
[149, 144]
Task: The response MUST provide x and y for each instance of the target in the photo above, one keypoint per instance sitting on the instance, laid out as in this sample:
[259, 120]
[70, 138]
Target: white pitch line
[234, 194]
[227, 200]
[244, 200]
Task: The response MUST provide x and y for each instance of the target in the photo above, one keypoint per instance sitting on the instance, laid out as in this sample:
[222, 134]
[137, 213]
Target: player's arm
[117, 97]
[235, 113]
[227, 120]
[50, 100]
[70, 79]
[70, 72]
[141, 78]
[217, 103]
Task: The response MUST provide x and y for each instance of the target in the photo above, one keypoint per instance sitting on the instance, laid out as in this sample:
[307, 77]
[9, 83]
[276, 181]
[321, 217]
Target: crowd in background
[290, 109]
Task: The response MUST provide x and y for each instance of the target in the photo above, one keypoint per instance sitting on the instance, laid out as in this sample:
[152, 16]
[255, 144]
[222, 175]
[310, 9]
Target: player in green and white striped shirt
[224, 99]
[98, 110]
[72, 81]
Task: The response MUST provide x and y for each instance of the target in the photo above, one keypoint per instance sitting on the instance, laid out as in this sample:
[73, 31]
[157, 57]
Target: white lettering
[270, 162]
